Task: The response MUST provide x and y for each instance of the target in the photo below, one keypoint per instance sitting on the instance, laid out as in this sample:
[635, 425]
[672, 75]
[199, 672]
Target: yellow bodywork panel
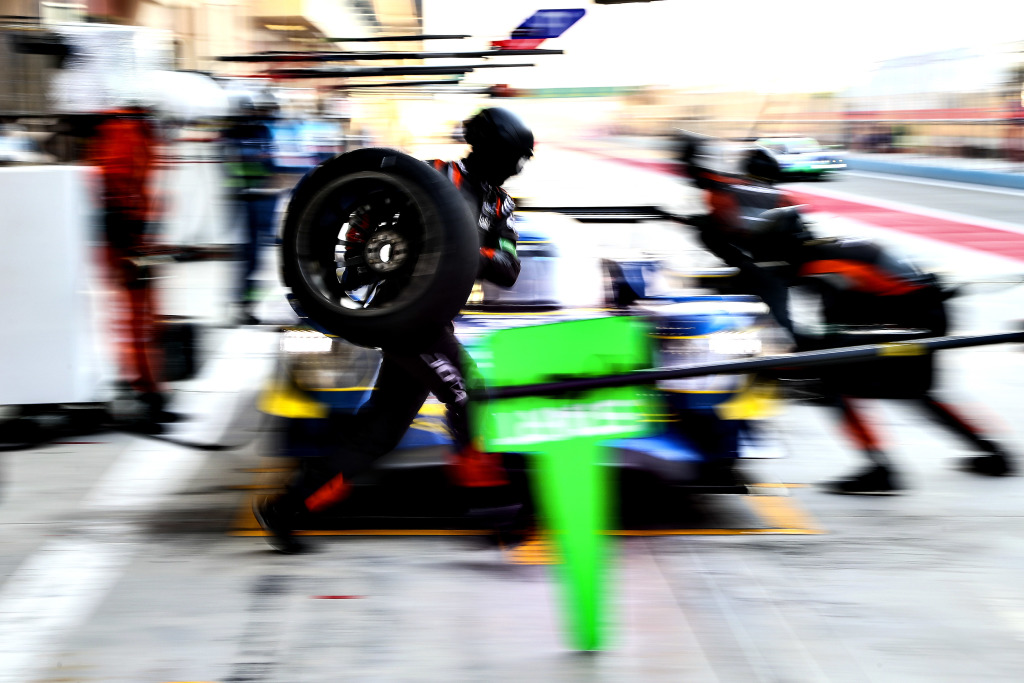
[759, 400]
[284, 400]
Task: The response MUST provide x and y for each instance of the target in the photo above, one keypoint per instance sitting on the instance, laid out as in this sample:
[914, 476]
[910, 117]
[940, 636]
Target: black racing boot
[244, 314]
[155, 408]
[501, 514]
[278, 519]
[990, 464]
[506, 526]
[877, 480]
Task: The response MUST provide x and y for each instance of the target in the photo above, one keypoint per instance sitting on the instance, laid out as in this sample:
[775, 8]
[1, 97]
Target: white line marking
[51, 594]
[58, 588]
[919, 210]
[939, 183]
[143, 475]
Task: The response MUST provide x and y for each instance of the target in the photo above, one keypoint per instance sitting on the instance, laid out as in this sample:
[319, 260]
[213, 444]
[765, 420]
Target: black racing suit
[406, 377]
[734, 227]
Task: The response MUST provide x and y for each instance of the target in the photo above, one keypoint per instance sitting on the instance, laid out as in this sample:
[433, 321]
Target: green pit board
[564, 435]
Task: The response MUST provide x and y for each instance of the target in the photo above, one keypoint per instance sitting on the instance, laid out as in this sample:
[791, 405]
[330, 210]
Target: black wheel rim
[362, 246]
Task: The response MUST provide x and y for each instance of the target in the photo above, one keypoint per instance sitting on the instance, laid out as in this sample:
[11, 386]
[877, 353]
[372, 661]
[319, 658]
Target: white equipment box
[49, 351]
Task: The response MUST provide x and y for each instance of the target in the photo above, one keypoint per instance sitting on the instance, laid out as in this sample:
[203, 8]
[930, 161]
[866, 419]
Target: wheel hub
[386, 251]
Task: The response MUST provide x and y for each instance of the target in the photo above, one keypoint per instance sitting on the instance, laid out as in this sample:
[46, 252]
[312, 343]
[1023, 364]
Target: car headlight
[305, 341]
[716, 346]
[315, 361]
[735, 344]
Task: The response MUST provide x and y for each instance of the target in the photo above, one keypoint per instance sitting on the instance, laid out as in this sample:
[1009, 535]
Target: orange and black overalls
[499, 262]
[123, 150]
[861, 285]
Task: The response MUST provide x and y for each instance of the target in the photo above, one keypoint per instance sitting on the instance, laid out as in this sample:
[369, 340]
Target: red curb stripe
[982, 238]
[337, 597]
[959, 233]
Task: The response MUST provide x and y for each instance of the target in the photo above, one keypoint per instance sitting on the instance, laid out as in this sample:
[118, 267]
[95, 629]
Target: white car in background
[802, 157]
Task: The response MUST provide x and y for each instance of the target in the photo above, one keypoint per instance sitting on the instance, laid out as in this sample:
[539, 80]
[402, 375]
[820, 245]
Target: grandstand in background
[965, 102]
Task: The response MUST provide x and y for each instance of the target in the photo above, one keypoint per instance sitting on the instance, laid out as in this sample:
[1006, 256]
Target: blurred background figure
[865, 294]
[736, 205]
[122, 146]
[251, 182]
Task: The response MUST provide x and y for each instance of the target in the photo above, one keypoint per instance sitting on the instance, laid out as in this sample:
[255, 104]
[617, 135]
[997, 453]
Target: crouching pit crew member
[753, 227]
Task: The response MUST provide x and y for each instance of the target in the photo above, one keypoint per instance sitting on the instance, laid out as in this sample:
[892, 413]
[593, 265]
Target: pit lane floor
[119, 562]
[128, 588]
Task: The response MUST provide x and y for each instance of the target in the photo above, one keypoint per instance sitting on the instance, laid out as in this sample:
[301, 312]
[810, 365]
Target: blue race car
[702, 428]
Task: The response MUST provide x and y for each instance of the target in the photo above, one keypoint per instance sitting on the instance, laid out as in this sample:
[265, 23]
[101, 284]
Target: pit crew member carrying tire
[420, 361]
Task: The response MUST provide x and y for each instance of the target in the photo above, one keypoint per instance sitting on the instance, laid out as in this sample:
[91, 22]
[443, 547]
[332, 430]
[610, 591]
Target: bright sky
[780, 45]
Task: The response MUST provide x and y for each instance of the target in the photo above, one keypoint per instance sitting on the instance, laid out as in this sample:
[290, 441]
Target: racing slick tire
[379, 248]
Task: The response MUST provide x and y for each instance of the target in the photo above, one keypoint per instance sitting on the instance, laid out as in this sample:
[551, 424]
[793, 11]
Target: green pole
[574, 497]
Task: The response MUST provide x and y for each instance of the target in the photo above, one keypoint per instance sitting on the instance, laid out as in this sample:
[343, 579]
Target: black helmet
[499, 130]
[693, 154]
[780, 236]
[501, 144]
[763, 166]
[688, 149]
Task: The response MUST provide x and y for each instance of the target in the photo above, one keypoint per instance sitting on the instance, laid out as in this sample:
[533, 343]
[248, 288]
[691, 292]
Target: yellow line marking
[689, 336]
[368, 532]
[258, 532]
[341, 389]
[538, 550]
[780, 513]
[535, 550]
